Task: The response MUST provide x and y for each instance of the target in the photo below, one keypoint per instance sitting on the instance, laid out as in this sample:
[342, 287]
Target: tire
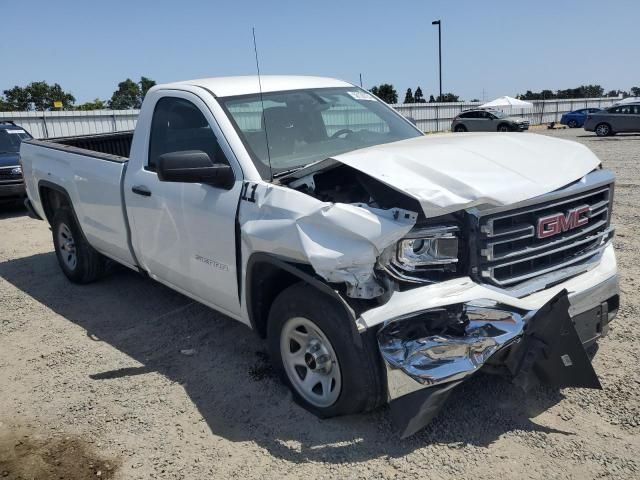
[503, 127]
[78, 260]
[572, 124]
[353, 374]
[460, 128]
[603, 130]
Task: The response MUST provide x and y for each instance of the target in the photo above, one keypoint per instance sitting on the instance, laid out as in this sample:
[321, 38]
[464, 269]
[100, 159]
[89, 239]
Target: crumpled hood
[451, 172]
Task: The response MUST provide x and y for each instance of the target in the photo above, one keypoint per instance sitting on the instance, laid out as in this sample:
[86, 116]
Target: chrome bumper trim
[414, 361]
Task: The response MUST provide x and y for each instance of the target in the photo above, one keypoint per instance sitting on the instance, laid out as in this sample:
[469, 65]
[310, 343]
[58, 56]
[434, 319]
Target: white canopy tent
[627, 100]
[507, 102]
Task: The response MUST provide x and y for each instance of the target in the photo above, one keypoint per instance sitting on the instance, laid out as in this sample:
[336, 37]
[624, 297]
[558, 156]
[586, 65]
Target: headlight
[435, 246]
[16, 171]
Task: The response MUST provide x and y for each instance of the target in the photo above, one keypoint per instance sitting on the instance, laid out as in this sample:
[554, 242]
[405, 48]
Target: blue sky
[503, 47]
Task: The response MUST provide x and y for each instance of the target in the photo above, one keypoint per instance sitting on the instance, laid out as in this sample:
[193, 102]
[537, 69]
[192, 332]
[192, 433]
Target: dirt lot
[93, 384]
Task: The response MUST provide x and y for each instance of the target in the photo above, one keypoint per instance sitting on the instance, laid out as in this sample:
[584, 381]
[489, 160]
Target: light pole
[437, 22]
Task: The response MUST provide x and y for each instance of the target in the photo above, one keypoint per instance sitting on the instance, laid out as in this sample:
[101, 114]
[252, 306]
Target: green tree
[448, 97]
[127, 96]
[145, 85]
[4, 106]
[408, 97]
[419, 96]
[37, 96]
[386, 93]
[612, 93]
[635, 91]
[130, 94]
[17, 99]
[96, 104]
[431, 99]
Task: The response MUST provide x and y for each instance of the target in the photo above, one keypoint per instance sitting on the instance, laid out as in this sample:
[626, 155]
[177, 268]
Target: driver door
[184, 233]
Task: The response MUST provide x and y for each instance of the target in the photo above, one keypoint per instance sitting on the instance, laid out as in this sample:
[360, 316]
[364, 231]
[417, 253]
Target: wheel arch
[268, 275]
[54, 197]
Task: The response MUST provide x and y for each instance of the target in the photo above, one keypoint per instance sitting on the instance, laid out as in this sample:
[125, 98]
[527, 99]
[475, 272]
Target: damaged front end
[428, 354]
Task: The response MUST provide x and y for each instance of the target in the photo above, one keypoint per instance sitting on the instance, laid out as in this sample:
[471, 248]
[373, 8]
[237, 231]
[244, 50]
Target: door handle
[141, 190]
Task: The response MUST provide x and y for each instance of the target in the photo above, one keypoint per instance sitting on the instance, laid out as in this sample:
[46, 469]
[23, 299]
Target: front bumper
[12, 190]
[429, 351]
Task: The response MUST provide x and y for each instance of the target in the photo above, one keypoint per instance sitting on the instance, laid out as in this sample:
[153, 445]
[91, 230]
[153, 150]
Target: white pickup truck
[381, 265]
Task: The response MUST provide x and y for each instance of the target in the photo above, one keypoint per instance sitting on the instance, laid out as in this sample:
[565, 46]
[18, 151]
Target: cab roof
[244, 85]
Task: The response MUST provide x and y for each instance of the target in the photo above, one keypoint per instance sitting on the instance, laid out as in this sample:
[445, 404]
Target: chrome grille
[7, 177]
[511, 253]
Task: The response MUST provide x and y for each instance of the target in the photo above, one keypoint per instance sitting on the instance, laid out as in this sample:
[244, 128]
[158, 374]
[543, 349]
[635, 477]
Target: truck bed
[112, 146]
[89, 169]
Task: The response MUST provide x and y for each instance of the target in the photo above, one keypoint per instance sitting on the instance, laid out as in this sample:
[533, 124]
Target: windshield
[498, 114]
[304, 126]
[10, 140]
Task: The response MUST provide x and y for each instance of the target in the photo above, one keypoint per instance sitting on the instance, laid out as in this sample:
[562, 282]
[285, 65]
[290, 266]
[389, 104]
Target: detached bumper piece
[430, 353]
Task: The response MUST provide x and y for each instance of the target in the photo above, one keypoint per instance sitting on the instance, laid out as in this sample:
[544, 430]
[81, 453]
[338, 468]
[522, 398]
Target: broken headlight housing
[425, 254]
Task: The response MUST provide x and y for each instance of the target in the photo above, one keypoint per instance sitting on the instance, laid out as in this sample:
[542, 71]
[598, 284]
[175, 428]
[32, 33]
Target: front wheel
[503, 127]
[603, 130]
[78, 260]
[313, 349]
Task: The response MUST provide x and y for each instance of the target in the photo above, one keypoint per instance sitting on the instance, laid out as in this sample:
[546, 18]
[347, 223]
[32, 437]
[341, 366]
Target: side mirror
[194, 166]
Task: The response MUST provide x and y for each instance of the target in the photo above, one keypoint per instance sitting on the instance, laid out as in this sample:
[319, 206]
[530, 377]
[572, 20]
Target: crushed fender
[341, 241]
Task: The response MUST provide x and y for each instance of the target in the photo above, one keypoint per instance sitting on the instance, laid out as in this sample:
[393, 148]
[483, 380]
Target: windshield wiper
[287, 172]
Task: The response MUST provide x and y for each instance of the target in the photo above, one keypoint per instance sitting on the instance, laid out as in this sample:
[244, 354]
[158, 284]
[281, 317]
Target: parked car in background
[577, 117]
[11, 180]
[481, 120]
[616, 119]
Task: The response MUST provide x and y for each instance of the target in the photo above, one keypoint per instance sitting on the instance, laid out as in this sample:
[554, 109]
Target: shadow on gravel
[618, 136]
[229, 379]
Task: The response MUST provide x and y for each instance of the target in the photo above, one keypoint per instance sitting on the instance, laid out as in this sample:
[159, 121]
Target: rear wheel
[312, 348]
[78, 260]
[572, 124]
[603, 130]
[460, 128]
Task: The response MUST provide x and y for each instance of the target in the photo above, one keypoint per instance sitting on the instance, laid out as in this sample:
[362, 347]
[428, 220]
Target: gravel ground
[126, 379]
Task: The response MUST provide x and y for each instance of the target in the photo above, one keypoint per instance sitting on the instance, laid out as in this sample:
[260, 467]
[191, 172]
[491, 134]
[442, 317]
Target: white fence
[429, 117]
[437, 117]
[70, 123]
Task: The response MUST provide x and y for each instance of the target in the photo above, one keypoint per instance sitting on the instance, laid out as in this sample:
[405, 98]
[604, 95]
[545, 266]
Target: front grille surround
[509, 254]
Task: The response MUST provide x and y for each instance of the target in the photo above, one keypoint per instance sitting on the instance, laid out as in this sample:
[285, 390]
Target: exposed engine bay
[332, 181]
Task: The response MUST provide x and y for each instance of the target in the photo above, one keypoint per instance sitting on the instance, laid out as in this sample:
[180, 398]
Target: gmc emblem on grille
[559, 222]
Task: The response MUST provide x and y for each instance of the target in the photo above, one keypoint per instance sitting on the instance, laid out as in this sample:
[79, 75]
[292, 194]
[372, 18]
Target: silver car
[479, 120]
[616, 119]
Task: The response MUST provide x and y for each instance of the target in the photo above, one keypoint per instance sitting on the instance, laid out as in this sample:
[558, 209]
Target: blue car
[11, 180]
[577, 118]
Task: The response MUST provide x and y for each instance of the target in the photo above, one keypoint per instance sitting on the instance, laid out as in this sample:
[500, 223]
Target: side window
[178, 125]
[485, 115]
[465, 115]
[635, 109]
